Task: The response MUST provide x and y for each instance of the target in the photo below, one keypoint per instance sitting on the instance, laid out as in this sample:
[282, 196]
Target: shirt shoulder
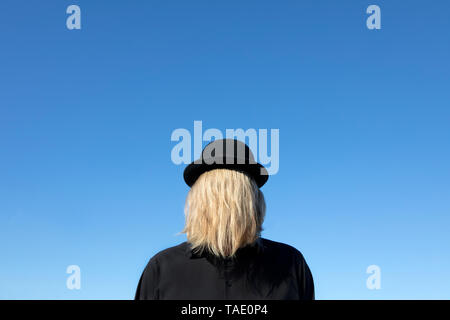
[280, 248]
[293, 261]
[171, 253]
[171, 256]
[282, 252]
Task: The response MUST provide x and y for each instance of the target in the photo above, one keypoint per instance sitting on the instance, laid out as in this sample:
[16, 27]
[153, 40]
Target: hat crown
[228, 149]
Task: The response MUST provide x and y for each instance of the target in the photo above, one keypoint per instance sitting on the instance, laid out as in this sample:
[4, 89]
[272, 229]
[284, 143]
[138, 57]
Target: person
[225, 256]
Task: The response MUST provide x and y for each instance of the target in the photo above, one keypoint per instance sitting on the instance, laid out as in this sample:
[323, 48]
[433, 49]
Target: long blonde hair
[224, 211]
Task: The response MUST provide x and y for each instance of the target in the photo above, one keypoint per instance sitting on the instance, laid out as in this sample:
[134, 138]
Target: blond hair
[224, 211]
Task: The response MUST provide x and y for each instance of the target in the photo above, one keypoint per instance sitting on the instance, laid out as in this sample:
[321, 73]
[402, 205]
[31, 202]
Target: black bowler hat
[226, 154]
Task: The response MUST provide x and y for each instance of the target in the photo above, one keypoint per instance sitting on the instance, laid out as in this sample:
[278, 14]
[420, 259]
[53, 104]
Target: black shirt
[263, 270]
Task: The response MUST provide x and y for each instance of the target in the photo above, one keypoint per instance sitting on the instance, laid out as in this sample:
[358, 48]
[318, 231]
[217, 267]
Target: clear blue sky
[86, 117]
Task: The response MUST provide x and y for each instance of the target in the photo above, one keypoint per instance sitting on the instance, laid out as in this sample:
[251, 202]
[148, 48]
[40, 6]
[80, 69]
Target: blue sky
[86, 118]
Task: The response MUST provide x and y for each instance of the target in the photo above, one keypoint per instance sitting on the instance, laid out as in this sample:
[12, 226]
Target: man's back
[264, 270]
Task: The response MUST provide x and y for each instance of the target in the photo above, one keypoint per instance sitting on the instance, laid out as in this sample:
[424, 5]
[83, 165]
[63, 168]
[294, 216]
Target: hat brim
[255, 170]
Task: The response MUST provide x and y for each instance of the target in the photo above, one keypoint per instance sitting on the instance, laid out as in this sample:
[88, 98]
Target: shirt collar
[188, 250]
[256, 246]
